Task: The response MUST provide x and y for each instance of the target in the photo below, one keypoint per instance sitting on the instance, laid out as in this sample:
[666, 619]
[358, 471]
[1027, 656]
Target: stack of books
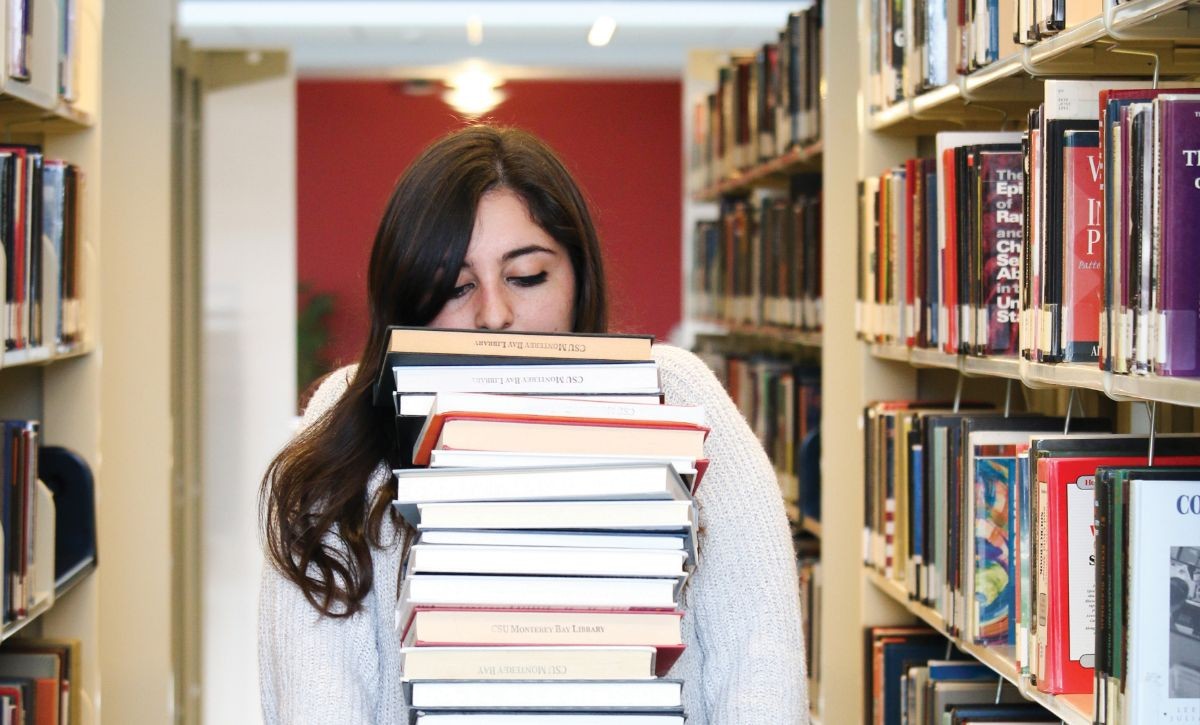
[552, 496]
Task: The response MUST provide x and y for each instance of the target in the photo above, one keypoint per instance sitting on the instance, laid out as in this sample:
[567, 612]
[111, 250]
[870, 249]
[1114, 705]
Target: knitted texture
[744, 661]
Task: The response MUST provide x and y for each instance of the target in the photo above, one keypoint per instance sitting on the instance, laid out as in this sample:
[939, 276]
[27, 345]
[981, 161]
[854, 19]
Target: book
[446, 403]
[526, 346]
[545, 718]
[1176, 292]
[418, 405]
[615, 481]
[532, 434]
[442, 626]
[627, 515]
[1163, 678]
[690, 470]
[616, 377]
[586, 539]
[436, 590]
[635, 695]
[45, 671]
[527, 663]
[1065, 547]
[544, 561]
[563, 346]
[1083, 253]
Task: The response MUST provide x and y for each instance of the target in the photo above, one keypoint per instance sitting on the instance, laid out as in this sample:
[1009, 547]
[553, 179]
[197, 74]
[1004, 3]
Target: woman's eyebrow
[522, 251]
[518, 252]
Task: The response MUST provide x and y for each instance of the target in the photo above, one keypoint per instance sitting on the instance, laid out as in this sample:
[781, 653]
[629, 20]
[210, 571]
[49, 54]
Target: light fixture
[602, 31]
[474, 30]
[474, 91]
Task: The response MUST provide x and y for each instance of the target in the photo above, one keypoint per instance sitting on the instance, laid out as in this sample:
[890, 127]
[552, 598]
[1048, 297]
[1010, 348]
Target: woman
[487, 230]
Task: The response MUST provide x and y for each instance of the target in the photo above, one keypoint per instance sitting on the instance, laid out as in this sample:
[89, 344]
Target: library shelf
[930, 358]
[1073, 709]
[794, 160]
[42, 606]
[998, 367]
[1010, 84]
[41, 355]
[762, 337]
[1121, 388]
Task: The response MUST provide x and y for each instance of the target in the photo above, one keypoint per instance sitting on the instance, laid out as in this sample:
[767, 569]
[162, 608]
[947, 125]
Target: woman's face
[515, 275]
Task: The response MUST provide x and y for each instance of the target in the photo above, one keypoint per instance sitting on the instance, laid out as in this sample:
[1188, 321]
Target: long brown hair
[318, 523]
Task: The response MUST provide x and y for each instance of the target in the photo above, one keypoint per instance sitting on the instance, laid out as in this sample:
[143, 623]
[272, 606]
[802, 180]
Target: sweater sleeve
[314, 668]
[744, 595]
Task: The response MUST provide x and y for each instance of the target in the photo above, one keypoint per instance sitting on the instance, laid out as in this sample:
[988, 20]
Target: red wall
[621, 140]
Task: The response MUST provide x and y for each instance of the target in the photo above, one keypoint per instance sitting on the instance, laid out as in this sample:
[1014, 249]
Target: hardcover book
[1176, 220]
[1083, 272]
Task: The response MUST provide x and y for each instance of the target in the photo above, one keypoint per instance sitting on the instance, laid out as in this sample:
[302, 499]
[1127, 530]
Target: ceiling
[527, 39]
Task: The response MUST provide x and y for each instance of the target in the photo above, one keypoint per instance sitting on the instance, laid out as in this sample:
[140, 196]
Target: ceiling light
[602, 31]
[474, 91]
[475, 30]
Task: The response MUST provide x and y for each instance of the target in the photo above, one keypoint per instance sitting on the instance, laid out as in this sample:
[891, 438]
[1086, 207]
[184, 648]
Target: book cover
[1001, 222]
[1083, 254]
[1163, 681]
[1066, 561]
[1176, 223]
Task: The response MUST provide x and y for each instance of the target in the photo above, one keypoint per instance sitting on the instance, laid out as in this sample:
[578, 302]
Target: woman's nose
[494, 310]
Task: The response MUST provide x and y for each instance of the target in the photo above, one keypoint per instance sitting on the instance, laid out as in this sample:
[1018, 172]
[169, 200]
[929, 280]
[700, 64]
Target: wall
[620, 139]
[249, 280]
[134, 297]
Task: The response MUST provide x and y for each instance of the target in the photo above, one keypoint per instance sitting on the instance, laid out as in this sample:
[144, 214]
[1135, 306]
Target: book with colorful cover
[1000, 222]
[1066, 552]
[1176, 285]
[1082, 250]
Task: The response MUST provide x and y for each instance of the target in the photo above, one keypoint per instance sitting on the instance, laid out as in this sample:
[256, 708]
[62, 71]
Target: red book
[950, 255]
[547, 434]
[1083, 272]
[1065, 567]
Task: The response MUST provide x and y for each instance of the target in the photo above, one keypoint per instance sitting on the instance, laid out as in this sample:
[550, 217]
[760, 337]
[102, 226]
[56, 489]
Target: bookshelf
[107, 396]
[858, 141]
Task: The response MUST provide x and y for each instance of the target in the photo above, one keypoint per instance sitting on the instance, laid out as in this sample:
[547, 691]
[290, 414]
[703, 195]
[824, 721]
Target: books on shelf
[781, 400]
[765, 102]
[42, 255]
[1039, 562]
[1148, 602]
[1080, 257]
[759, 263]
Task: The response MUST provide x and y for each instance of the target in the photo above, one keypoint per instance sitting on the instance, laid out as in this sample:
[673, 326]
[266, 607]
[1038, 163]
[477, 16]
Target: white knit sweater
[744, 661]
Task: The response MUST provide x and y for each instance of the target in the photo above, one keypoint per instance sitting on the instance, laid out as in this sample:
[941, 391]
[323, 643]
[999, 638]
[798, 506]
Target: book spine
[1001, 223]
[1083, 271]
[1178, 220]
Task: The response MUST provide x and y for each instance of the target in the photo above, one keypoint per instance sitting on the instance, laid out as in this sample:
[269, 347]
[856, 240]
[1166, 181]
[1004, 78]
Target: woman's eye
[461, 290]
[532, 280]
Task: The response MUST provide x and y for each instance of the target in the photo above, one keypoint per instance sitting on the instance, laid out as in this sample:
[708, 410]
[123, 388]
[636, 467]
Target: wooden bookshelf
[1073, 709]
[795, 160]
[762, 338]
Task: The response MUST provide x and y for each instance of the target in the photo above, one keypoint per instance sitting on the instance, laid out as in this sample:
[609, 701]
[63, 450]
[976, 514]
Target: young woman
[487, 230]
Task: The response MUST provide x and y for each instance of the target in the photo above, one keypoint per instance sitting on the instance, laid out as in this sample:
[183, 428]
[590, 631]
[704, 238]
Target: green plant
[312, 336]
